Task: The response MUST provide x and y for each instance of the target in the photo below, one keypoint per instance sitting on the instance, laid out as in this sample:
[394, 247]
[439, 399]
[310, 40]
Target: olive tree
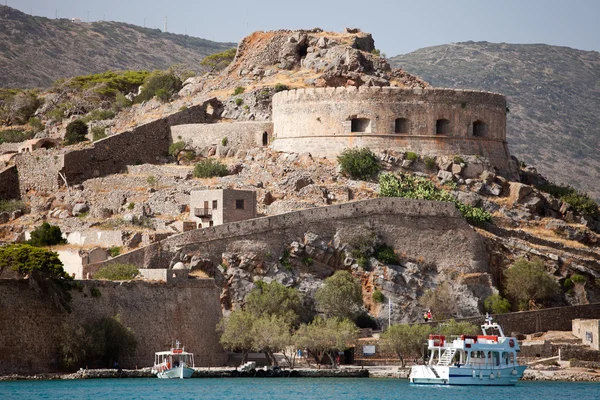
[528, 282]
[326, 337]
[340, 296]
[275, 299]
[405, 340]
[236, 332]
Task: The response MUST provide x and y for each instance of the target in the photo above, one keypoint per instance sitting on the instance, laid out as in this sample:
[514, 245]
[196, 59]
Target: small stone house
[588, 330]
[216, 207]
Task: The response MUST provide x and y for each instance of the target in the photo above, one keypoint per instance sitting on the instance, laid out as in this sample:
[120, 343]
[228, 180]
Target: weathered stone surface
[80, 208]
[445, 176]
[518, 191]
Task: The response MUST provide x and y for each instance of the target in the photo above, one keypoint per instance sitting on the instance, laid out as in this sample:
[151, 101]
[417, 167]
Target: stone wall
[588, 330]
[157, 313]
[240, 135]
[320, 121]
[39, 171]
[434, 232]
[9, 184]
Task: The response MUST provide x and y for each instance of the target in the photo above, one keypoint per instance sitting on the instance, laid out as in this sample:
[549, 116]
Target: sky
[398, 26]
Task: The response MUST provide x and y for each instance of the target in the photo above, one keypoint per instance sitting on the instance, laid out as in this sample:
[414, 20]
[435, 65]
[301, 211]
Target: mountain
[35, 51]
[553, 94]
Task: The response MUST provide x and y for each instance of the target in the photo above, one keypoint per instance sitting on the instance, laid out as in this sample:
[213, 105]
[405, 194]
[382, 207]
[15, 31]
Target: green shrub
[458, 160]
[429, 162]
[115, 251]
[15, 136]
[98, 132]
[117, 272]
[568, 283]
[219, 61]
[359, 163]
[152, 181]
[307, 260]
[161, 85]
[576, 278]
[121, 101]
[76, 132]
[46, 235]
[386, 255]
[98, 115]
[411, 156]
[378, 296]
[131, 206]
[280, 87]
[183, 108]
[363, 261]
[238, 90]
[11, 205]
[208, 168]
[496, 304]
[95, 292]
[224, 141]
[581, 202]
[239, 102]
[412, 187]
[36, 124]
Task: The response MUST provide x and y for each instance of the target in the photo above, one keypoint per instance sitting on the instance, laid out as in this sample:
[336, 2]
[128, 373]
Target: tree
[496, 304]
[219, 61]
[46, 235]
[405, 340]
[76, 132]
[326, 337]
[528, 282]
[441, 301]
[159, 84]
[236, 332]
[177, 148]
[359, 163]
[270, 334]
[111, 340]
[453, 328]
[340, 296]
[274, 299]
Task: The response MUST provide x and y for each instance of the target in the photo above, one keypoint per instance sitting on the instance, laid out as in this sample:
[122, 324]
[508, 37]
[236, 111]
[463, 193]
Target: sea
[287, 388]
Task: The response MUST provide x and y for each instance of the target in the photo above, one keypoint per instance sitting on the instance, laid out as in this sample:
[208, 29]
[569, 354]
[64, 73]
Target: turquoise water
[286, 388]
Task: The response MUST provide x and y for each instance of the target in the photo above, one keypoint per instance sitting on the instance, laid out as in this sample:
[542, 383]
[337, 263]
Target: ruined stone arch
[442, 127]
[401, 125]
[480, 129]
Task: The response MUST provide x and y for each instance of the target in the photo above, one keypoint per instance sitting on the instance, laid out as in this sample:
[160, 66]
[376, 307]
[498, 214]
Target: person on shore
[425, 317]
[429, 315]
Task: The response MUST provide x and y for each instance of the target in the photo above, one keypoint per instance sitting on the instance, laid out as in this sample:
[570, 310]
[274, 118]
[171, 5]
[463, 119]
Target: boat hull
[443, 375]
[176, 373]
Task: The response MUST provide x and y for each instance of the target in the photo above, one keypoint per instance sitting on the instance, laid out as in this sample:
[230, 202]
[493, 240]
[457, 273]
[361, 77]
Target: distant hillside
[35, 51]
[553, 94]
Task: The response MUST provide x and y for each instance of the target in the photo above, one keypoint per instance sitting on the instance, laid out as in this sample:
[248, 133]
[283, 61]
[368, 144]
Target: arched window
[360, 125]
[401, 125]
[479, 129]
[442, 127]
[265, 139]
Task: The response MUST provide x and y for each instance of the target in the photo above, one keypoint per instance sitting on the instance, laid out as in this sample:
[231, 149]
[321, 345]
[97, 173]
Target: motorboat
[489, 359]
[173, 364]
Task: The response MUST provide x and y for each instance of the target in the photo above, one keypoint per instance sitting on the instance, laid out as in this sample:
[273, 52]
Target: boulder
[407, 164]
[80, 208]
[518, 191]
[487, 176]
[470, 199]
[494, 189]
[445, 176]
[456, 169]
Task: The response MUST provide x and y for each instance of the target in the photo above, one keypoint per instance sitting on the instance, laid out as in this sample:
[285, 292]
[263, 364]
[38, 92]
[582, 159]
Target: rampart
[432, 231]
[30, 326]
[241, 135]
[325, 121]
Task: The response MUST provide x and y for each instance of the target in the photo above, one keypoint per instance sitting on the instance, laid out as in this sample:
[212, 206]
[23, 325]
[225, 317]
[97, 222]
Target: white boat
[489, 359]
[174, 364]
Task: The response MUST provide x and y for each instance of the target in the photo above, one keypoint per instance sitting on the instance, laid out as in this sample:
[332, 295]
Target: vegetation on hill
[527, 282]
[359, 163]
[552, 93]
[63, 49]
[46, 235]
[117, 272]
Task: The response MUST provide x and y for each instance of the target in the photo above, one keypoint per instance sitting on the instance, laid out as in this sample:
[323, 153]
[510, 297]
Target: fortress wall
[38, 171]
[157, 313]
[9, 184]
[243, 135]
[432, 231]
[319, 120]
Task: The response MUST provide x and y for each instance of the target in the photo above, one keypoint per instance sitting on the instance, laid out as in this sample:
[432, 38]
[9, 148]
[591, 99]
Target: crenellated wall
[319, 120]
[432, 231]
[157, 313]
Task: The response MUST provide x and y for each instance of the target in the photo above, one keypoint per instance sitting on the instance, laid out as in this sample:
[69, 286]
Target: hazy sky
[398, 26]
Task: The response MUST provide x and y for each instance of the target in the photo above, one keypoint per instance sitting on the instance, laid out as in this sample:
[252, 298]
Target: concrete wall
[9, 184]
[588, 330]
[319, 121]
[157, 313]
[242, 135]
[432, 231]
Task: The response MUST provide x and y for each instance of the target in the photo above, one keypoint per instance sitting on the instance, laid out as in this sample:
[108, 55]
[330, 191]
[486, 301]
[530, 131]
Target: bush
[238, 90]
[239, 102]
[576, 278]
[46, 235]
[496, 304]
[412, 187]
[98, 115]
[161, 85]
[429, 162]
[378, 296]
[411, 156]
[385, 254]
[219, 61]
[76, 132]
[458, 160]
[528, 282]
[359, 163]
[115, 251]
[15, 136]
[152, 181]
[280, 87]
[117, 272]
[224, 141]
[36, 124]
[581, 202]
[208, 168]
[11, 205]
[98, 132]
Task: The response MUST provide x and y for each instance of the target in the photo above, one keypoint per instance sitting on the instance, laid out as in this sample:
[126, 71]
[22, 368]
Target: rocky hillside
[46, 49]
[553, 93]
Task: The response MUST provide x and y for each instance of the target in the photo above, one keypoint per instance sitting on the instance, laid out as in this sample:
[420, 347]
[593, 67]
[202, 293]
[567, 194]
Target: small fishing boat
[174, 364]
[488, 359]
